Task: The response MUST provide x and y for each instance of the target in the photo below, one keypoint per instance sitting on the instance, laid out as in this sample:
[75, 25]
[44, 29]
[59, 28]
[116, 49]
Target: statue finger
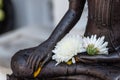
[38, 63]
[41, 61]
[87, 57]
[95, 58]
[38, 66]
[86, 61]
[48, 57]
[30, 59]
[33, 63]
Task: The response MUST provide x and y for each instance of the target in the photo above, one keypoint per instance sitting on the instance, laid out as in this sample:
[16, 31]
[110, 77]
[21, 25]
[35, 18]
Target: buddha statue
[103, 19]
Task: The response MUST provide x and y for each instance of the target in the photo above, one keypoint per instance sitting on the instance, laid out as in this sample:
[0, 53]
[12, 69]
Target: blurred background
[24, 22]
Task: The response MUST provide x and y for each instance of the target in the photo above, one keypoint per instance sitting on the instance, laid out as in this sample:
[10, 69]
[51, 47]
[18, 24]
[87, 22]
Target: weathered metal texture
[102, 15]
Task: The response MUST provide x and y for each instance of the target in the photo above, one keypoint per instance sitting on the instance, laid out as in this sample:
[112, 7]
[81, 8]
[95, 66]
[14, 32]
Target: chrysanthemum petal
[67, 48]
[95, 45]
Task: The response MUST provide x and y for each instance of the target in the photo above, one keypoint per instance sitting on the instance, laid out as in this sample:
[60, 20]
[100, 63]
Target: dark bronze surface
[103, 19]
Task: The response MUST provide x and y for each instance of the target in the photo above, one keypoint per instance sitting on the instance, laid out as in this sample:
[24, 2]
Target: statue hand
[91, 59]
[113, 57]
[40, 56]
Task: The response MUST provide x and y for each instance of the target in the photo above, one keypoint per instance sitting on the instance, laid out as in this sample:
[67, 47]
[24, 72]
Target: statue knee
[18, 64]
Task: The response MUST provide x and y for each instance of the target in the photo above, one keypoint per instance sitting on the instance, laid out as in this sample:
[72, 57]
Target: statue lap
[78, 71]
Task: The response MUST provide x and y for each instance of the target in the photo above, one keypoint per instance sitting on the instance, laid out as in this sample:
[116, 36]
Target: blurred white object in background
[3, 72]
[2, 76]
[33, 13]
[61, 7]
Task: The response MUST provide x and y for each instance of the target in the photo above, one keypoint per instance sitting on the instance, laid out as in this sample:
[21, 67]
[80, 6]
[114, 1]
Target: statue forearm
[68, 21]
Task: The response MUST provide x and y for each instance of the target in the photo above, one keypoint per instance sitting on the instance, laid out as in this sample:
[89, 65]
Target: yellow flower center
[69, 62]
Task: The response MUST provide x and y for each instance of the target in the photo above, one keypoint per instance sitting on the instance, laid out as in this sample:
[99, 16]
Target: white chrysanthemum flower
[67, 48]
[95, 46]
